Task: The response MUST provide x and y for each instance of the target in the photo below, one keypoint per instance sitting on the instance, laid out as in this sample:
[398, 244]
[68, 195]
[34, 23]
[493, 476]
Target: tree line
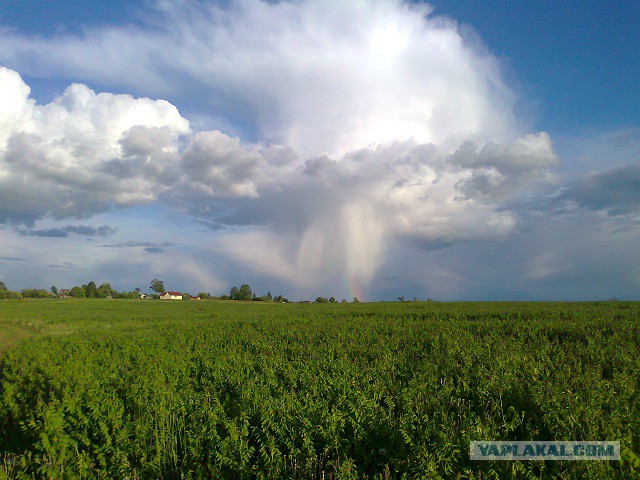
[105, 290]
[89, 290]
[245, 293]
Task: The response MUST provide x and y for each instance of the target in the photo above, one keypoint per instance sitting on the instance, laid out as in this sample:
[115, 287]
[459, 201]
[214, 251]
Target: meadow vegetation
[139, 389]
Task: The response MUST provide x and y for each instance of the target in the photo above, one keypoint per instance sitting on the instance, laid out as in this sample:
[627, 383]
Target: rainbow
[355, 289]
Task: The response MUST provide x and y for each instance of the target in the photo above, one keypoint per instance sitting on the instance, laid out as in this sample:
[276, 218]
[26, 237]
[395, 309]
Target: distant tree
[234, 294]
[54, 290]
[35, 293]
[355, 300]
[3, 287]
[157, 285]
[78, 292]
[269, 297]
[245, 292]
[106, 290]
[90, 290]
[225, 297]
[401, 298]
[8, 294]
[333, 300]
[204, 295]
[344, 300]
[321, 300]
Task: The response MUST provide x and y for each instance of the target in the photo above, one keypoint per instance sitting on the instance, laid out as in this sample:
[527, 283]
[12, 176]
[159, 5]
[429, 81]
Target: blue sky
[576, 58]
[462, 150]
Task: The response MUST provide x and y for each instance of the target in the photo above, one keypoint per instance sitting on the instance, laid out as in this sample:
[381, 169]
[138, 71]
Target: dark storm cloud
[616, 192]
[12, 259]
[63, 232]
[149, 247]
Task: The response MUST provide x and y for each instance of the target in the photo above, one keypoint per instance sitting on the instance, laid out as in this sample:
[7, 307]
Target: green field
[203, 389]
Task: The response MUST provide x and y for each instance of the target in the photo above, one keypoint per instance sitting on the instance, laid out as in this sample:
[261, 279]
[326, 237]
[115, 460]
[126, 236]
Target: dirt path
[10, 334]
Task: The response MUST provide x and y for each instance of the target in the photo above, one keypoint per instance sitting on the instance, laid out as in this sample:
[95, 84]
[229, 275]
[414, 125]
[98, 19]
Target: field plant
[185, 390]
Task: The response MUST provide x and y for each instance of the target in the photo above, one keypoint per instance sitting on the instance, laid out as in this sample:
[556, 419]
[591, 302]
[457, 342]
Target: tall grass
[224, 390]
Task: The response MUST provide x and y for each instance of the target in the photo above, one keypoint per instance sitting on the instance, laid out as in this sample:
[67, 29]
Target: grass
[11, 334]
[207, 389]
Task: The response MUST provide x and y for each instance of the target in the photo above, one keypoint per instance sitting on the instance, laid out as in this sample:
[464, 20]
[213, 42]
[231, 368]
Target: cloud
[502, 172]
[85, 153]
[320, 77]
[615, 192]
[12, 259]
[361, 126]
[154, 250]
[63, 232]
[220, 167]
[336, 218]
[138, 244]
[149, 247]
[343, 141]
[74, 157]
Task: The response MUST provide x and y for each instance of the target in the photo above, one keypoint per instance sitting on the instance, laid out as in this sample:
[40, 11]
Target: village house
[171, 296]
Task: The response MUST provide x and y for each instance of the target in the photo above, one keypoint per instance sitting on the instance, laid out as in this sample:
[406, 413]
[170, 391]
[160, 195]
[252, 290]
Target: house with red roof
[171, 296]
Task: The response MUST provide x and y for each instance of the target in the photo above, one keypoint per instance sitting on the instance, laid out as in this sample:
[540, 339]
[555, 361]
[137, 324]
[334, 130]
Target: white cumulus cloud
[321, 77]
[366, 124]
[86, 152]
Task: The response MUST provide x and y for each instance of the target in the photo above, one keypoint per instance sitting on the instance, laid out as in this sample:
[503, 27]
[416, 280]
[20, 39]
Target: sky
[452, 150]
